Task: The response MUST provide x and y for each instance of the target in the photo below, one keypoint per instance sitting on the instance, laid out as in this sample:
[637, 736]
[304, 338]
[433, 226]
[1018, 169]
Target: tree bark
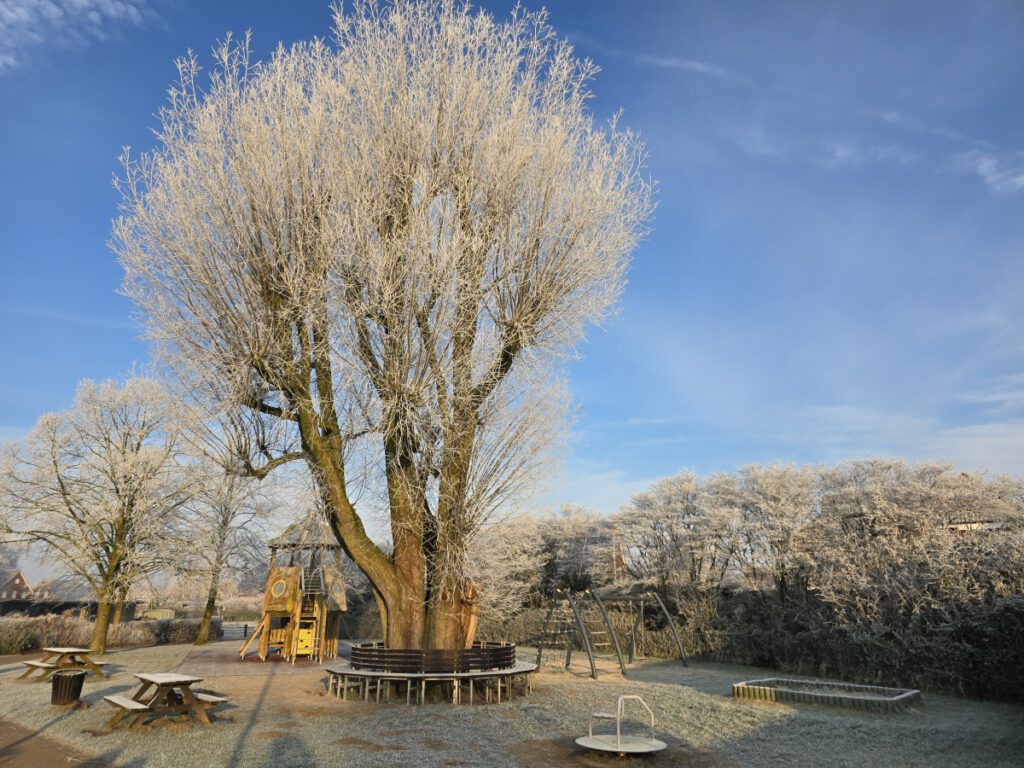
[203, 635]
[122, 595]
[446, 625]
[99, 631]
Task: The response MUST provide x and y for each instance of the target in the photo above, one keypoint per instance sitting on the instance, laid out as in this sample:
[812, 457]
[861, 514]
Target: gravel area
[285, 720]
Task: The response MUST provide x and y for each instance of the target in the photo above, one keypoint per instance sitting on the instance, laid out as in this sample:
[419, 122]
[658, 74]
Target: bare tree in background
[503, 563]
[384, 249]
[226, 529]
[578, 552]
[228, 526]
[100, 487]
[898, 539]
[678, 533]
[778, 500]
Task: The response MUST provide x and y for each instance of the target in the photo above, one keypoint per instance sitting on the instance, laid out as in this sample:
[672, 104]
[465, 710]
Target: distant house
[67, 595]
[16, 588]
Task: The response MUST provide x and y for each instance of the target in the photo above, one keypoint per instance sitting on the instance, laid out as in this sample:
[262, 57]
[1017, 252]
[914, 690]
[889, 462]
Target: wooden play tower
[304, 596]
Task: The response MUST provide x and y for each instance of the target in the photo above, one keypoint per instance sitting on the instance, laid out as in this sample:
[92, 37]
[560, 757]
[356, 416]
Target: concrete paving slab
[221, 660]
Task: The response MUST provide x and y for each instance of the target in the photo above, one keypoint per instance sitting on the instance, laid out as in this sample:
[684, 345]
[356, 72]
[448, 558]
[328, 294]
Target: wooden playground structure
[582, 620]
[304, 599]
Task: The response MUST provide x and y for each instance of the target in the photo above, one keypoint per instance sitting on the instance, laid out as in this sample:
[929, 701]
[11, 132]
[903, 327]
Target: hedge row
[27, 633]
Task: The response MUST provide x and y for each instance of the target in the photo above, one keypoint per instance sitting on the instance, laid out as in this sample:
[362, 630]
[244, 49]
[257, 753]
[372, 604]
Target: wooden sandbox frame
[875, 698]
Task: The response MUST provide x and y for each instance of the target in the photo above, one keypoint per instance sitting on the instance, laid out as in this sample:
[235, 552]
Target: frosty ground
[281, 716]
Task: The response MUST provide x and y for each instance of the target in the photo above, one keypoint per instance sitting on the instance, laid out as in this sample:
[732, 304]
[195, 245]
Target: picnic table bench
[173, 695]
[62, 658]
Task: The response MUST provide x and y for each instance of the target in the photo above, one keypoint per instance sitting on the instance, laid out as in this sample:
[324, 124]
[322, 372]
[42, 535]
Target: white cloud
[27, 24]
[1006, 395]
[72, 318]
[596, 486]
[706, 68]
[910, 123]
[690, 65]
[845, 432]
[995, 446]
[852, 153]
[1003, 173]
[635, 421]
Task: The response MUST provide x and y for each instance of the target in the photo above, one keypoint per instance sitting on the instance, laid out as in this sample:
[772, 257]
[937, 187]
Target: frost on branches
[383, 248]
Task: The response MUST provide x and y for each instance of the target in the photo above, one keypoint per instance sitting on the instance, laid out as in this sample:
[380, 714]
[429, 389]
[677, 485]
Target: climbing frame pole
[544, 633]
[611, 631]
[583, 634]
[672, 626]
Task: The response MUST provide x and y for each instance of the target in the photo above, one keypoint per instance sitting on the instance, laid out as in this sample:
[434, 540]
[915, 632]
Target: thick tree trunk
[444, 623]
[122, 595]
[203, 635]
[99, 631]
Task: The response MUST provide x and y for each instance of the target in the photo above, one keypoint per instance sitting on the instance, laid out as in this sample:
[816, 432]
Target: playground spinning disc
[623, 745]
[617, 742]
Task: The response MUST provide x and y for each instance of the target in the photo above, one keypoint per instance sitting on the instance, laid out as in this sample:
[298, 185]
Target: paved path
[221, 660]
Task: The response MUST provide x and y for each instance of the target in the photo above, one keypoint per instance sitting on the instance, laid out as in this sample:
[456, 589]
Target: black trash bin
[67, 686]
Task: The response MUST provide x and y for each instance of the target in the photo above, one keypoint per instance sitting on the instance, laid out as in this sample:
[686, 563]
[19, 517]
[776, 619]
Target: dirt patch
[24, 748]
[271, 735]
[436, 744]
[554, 753]
[370, 746]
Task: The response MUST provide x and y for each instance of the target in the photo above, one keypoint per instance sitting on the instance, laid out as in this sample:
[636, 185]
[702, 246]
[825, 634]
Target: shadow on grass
[287, 746]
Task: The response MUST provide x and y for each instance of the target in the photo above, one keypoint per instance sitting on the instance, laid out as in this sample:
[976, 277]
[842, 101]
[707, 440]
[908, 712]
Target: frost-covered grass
[288, 720]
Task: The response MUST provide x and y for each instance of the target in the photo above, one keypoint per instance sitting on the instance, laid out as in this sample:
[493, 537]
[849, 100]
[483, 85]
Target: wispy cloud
[646, 59]
[911, 123]
[596, 486]
[853, 153]
[29, 24]
[1006, 395]
[636, 421]
[690, 65]
[73, 318]
[1003, 173]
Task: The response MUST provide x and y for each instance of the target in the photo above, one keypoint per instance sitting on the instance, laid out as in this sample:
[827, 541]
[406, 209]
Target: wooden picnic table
[173, 695]
[58, 658]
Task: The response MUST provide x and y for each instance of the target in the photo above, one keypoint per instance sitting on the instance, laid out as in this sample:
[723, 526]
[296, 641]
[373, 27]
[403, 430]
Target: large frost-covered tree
[102, 487]
[382, 248]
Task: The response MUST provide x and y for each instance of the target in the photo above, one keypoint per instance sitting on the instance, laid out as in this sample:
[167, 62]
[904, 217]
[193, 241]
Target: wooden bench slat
[125, 703]
[40, 664]
[209, 698]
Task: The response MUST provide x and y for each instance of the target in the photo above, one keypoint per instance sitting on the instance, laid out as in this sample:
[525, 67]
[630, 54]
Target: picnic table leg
[112, 722]
[198, 708]
[92, 667]
[142, 692]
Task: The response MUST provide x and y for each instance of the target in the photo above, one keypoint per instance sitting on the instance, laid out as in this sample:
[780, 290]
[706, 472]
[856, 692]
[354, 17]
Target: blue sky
[837, 262]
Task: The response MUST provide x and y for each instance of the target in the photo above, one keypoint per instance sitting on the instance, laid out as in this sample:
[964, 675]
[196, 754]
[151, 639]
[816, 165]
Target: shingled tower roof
[312, 532]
